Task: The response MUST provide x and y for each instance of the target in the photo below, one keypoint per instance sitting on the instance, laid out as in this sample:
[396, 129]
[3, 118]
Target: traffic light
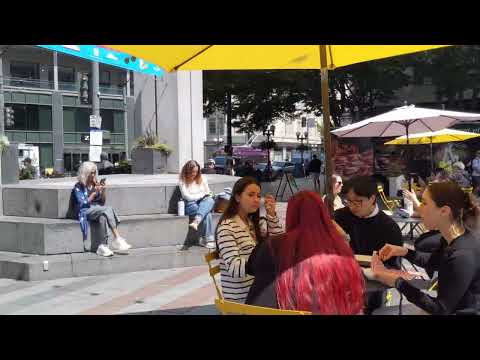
[84, 89]
[9, 116]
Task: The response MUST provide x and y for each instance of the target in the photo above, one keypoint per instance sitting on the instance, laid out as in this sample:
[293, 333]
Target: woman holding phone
[89, 197]
[238, 233]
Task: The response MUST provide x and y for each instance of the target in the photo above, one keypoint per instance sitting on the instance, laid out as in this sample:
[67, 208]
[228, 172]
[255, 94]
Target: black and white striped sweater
[235, 244]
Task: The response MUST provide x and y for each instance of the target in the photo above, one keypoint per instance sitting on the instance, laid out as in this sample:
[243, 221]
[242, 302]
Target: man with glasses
[369, 228]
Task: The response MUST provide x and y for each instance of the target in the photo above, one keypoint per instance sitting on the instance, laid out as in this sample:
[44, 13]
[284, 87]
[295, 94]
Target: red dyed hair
[317, 269]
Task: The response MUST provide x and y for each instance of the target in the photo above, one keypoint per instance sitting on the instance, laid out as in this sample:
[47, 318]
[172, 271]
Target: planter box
[148, 161]
[10, 165]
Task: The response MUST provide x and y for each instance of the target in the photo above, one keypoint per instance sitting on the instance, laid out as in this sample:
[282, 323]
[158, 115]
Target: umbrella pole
[431, 156]
[408, 160]
[326, 128]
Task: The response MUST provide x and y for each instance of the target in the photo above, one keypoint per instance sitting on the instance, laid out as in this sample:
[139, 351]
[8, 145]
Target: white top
[235, 244]
[194, 191]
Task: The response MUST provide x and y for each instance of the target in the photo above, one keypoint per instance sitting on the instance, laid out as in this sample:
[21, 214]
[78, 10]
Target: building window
[24, 70]
[113, 120]
[31, 117]
[76, 119]
[212, 126]
[65, 74]
[105, 78]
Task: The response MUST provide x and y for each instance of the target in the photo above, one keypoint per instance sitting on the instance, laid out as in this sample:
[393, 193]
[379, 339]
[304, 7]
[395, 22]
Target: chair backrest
[468, 190]
[231, 307]
[387, 203]
[214, 270]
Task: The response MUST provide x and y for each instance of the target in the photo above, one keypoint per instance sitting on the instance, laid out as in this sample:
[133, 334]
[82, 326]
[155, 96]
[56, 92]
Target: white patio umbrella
[405, 120]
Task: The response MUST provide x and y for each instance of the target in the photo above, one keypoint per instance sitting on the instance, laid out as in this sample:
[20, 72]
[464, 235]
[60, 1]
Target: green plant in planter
[4, 143]
[150, 141]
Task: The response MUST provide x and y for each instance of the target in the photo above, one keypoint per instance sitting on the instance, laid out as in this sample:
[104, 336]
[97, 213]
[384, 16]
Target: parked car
[220, 163]
[278, 168]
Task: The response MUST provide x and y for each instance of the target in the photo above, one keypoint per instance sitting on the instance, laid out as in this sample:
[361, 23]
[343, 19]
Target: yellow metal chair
[214, 270]
[468, 190]
[231, 307]
[390, 204]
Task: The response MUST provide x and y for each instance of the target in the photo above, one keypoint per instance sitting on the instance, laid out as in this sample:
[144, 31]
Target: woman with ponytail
[310, 267]
[445, 207]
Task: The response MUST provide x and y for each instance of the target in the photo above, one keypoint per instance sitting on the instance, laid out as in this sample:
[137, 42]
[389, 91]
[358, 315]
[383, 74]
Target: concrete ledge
[30, 267]
[60, 236]
[127, 194]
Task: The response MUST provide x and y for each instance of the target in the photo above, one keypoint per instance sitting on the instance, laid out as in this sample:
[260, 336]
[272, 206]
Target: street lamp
[269, 132]
[302, 148]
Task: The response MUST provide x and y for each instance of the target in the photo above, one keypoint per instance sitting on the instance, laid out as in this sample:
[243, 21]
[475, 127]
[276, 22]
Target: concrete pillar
[127, 84]
[2, 122]
[57, 125]
[55, 71]
[130, 110]
[284, 156]
[95, 89]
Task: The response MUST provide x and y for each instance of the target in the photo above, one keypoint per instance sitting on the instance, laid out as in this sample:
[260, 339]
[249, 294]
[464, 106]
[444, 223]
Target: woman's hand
[388, 251]
[410, 195]
[270, 205]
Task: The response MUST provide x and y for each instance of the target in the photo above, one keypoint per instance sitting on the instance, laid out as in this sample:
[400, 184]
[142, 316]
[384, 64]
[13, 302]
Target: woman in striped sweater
[239, 231]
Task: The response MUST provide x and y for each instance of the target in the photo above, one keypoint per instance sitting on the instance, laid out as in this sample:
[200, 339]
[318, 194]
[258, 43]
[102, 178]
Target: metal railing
[62, 86]
[27, 83]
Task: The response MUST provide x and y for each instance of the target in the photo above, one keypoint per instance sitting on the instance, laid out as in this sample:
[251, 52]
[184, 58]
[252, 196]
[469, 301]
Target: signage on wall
[95, 121]
[108, 56]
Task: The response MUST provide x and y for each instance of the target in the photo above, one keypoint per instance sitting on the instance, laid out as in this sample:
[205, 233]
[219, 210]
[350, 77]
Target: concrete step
[31, 267]
[127, 194]
[44, 236]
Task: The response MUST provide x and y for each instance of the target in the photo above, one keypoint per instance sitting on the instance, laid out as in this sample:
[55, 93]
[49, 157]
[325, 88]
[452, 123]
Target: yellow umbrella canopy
[269, 57]
[263, 57]
[435, 137]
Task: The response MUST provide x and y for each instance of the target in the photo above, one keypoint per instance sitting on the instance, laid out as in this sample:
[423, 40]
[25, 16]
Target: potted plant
[149, 156]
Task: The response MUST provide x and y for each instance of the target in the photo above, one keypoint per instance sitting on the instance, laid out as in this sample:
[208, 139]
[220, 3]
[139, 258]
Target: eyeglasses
[355, 203]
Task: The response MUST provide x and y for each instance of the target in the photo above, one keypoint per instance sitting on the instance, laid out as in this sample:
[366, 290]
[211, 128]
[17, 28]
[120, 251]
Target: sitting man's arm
[393, 236]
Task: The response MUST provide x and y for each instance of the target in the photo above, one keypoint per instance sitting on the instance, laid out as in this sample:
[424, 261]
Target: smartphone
[102, 181]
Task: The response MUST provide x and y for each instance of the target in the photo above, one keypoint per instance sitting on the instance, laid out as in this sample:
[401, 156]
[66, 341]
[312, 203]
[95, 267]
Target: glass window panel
[212, 126]
[105, 77]
[68, 120]
[20, 136]
[45, 99]
[7, 96]
[84, 157]
[67, 162]
[82, 120]
[69, 101]
[75, 161]
[18, 97]
[107, 119]
[31, 98]
[32, 117]
[69, 138]
[45, 137]
[33, 137]
[44, 118]
[45, 154]
[24, 70]
[118, 121]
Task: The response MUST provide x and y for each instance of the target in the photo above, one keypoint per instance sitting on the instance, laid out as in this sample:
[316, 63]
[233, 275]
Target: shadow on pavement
[195, 310]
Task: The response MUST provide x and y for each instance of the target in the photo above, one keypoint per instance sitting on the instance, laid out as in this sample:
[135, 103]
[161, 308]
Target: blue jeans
[202, 210]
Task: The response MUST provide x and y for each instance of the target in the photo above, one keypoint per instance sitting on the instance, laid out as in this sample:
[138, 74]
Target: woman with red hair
[310, 267]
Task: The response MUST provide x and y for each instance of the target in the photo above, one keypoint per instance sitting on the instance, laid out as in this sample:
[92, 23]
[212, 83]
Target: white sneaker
[210, 245]
[120, 244]
[103, 250]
